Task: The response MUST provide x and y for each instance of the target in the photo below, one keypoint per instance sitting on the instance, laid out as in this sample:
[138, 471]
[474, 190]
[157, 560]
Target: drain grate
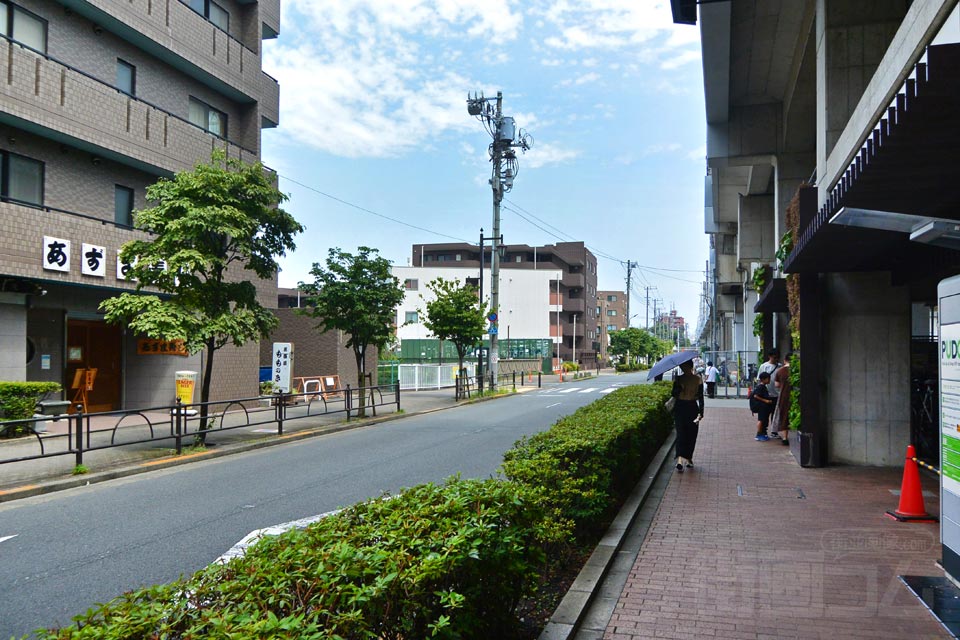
[759, 491]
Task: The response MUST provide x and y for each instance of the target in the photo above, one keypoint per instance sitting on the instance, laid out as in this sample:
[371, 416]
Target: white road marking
[570, 390]
[588, 390]
[553, 405]
[610, 390]
[5, 538]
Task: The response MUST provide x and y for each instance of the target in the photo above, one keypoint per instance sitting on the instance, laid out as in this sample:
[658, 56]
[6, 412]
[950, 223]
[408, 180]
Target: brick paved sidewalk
[770, 564]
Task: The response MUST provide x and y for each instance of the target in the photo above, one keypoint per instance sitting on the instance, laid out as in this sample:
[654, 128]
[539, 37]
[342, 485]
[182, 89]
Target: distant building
[611, 316]
[566, 304]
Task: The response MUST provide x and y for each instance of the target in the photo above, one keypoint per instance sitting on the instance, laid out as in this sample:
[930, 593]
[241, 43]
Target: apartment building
[832, 167]
[567, 291]
[99, 99]
[611, 316]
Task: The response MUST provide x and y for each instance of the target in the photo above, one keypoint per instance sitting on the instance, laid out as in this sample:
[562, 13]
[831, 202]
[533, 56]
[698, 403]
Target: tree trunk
[359, 353]
[205, 391]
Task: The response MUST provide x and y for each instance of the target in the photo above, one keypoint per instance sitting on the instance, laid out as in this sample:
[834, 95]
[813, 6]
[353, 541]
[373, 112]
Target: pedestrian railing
[468, 386]
[192, 422]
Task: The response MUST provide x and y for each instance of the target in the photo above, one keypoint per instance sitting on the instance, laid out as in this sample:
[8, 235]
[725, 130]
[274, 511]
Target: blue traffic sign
[492, 331]
[492, 317]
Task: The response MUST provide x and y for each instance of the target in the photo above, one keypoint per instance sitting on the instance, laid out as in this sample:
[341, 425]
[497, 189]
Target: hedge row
[586, 463]
[18, 400]
[445, 561]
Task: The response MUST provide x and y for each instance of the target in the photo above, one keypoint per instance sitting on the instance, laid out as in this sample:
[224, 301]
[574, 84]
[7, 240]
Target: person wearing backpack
[762, 404]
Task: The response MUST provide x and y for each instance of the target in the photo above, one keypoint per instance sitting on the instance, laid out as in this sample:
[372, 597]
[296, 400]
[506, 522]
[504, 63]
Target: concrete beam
[715, 45]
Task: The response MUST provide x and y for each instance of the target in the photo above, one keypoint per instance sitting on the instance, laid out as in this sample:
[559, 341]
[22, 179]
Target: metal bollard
[398, 395]
[281, 405]
[178, 424]
[539, 379]
[348, 402]
[79, 435]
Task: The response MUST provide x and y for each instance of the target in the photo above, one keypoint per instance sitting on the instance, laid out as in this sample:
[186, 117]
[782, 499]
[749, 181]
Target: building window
[208, 118]
[612, 298]
[212, 12]
[611, 312]
[411, 284]
[21, 179]
[123, 205]
[411, 317]
[611, 327]
[23, 26]
[428, 258]
[126, 77]
[518, 258]
[459, 257]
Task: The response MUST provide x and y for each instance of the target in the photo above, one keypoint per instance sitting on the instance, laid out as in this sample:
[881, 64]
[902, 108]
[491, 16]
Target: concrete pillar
[792, 170]
[755, 223]
[851, 38]
[866, 365]
[13, 337]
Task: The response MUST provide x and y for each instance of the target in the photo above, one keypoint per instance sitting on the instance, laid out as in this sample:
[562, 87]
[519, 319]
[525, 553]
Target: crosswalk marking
[606, 391]
[588, 390]
[570, 390]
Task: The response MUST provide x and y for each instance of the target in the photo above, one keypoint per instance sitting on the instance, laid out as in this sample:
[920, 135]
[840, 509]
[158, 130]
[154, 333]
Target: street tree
[455, 314]
[358, 295]
[207, 227]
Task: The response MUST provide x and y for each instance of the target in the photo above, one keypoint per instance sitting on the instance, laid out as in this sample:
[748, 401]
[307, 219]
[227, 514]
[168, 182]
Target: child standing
[762, 404]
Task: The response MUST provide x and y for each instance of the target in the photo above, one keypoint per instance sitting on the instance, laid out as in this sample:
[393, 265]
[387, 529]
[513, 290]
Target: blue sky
[373, 113]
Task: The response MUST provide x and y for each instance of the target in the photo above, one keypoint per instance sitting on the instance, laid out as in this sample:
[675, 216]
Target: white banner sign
[56, 254]
[282, 365]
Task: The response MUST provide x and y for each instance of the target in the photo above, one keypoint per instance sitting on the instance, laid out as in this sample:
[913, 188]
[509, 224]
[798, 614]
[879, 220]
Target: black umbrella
[669, 362]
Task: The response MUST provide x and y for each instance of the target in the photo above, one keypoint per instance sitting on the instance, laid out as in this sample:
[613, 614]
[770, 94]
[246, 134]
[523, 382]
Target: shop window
[126, 77]
[23, 26]
[208, 118]
[21, 179]
[123, 205]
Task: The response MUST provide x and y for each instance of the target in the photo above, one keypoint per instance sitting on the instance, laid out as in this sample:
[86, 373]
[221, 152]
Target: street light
[505, 167]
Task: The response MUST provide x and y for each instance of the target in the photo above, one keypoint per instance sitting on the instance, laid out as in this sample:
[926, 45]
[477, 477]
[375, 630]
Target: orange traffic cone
[911, 507]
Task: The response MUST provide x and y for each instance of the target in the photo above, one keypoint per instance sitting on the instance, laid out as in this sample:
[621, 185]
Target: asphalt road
[63, 552]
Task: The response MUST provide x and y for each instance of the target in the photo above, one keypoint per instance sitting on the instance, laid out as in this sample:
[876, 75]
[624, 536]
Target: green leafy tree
[206, 225]
[456, 314]
[358, 295]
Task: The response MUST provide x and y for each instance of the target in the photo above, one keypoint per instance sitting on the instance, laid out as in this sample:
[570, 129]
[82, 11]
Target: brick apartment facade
[611, 316]
[99, 99]
[572, 307]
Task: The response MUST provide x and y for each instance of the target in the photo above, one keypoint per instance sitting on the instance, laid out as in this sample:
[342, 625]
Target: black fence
[191, 422]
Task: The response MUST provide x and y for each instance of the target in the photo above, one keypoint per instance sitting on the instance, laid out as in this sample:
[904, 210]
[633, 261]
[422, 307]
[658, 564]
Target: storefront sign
[151, 347]
[948, 302]
[123, 269]
[282, 365]
[93, 260]
[56, 254]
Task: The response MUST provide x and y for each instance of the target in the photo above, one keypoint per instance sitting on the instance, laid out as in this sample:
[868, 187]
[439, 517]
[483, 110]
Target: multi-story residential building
[568, 302]
[99, 99]
[832, 136]
[611, 316]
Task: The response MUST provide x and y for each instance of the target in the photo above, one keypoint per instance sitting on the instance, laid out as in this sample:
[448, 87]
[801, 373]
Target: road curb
[44, 487]
[569, 616]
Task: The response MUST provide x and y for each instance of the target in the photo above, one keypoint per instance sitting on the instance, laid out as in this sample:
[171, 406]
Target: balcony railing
[76, 104]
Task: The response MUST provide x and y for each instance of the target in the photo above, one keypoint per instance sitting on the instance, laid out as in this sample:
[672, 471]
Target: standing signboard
[282, 366]
[948, 293]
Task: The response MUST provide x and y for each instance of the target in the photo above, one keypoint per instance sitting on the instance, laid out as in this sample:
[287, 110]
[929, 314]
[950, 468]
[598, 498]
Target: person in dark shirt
[762, 404]
[687, 413]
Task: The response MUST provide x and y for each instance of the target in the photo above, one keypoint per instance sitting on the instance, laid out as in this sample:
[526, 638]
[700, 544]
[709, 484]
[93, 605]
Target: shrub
[588, 461]
[18, 400]
[451, 560]
[571, 366]
[626, 368]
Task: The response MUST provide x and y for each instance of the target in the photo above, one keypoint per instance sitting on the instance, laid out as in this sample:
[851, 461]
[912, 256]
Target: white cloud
[680, 59]
[543, 154]
[582, 79]
[661, 148]
[699, 154]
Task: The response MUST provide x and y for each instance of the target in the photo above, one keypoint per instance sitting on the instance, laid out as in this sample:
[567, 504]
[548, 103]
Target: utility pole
[505, 166]
[646, 317]
[630, 267]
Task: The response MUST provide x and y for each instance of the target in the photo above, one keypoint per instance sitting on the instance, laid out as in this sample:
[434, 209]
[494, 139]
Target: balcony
[574, 280]
[571, 305]
[176, 34]
[270, 18]
[100, 119]
[269, 102]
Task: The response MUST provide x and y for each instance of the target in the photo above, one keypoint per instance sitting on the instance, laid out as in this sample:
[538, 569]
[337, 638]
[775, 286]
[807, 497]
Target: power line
[365, 210]
[560, 231]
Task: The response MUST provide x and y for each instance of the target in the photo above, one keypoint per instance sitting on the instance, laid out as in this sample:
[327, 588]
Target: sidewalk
[751, 545]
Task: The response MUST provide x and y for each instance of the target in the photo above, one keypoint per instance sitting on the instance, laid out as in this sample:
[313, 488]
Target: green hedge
[626, 368]
[585, 464]
[445, 561]
[18, 400]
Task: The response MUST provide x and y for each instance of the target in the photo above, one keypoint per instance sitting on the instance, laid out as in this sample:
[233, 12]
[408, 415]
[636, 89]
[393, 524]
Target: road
[63, 552]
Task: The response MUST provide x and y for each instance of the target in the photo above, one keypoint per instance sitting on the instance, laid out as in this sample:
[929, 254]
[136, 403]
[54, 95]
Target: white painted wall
[524, 298]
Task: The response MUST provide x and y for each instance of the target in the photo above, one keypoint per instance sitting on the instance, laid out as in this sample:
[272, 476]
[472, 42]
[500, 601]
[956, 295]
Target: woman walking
[687, 413]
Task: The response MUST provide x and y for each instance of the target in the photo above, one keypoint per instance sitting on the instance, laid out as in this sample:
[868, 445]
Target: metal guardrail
[102, 430]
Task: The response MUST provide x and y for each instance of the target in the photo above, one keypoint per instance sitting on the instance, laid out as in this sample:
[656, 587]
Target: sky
[375, 147]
